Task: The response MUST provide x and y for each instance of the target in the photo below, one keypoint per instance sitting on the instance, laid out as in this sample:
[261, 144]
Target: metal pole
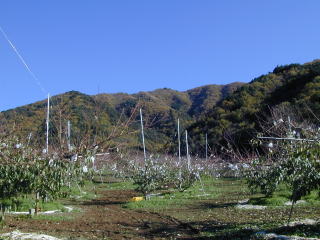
[29, 138]
[142, 134]
[48, 115]
[179, 143]
[69, 135]
[187, 146]
[289, 122]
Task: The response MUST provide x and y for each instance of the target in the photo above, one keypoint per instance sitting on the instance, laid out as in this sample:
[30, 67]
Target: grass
[201, 191]
[23, 204]
[212, 210]
[173, 199]
[77, 193]
[210, 207]
[313, 198]
[280, 197]
[86, 192]
[56, 217]
[121, 186]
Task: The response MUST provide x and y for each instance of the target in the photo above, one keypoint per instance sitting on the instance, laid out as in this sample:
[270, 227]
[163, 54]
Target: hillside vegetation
[112, 120]
[230, 112]
[238, 117]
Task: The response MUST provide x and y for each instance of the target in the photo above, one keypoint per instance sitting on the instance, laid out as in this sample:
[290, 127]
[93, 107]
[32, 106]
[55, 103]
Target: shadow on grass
[302, 229]
[163, 229]
[108, 180]
[174, 229]
[208, 205]
[104, 202]
[216, 230]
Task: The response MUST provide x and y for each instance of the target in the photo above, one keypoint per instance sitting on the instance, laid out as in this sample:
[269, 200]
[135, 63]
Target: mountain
[230, 112]
[112, 120]
[238, 116]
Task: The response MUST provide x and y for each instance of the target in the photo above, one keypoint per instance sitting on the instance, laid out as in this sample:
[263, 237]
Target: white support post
[48, 115]
[69, 135]
[29, 138]
[289, 123]
[142, 134]
[179, 143]
[179, 152]
[187, 146]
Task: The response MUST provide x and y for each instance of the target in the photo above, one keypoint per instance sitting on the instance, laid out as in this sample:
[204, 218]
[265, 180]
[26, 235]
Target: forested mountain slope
[232, 111]
[237, 117]
[102, 118]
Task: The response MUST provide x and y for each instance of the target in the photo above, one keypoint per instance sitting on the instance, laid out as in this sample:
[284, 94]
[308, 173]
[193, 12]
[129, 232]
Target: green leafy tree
[26, 170]
[292, 158]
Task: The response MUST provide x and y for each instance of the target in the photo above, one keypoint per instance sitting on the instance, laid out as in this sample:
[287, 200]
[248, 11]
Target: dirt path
[104, 218]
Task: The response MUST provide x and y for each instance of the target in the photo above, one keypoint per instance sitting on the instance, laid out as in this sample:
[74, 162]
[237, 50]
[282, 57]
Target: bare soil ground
[104, 218]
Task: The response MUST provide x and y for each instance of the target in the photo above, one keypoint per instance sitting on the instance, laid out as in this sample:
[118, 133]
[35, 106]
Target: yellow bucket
[137, 199]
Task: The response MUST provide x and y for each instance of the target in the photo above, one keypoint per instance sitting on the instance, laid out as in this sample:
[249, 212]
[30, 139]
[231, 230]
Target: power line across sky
[131, 46]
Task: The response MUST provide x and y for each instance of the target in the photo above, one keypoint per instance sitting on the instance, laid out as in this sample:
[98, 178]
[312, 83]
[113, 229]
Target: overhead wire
[24, 63]
[37, 81]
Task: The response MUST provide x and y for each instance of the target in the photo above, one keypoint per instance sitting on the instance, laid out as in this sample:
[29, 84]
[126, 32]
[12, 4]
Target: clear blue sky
[140, 45]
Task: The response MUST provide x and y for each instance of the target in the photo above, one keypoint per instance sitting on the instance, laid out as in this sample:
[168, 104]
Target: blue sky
[111, 46]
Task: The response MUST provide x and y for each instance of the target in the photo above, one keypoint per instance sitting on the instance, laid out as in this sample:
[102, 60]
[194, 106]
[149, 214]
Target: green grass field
[211, 207]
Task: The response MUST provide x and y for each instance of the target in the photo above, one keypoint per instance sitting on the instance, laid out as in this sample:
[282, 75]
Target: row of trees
[239, 115]
[25, 171]
[287, 152]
